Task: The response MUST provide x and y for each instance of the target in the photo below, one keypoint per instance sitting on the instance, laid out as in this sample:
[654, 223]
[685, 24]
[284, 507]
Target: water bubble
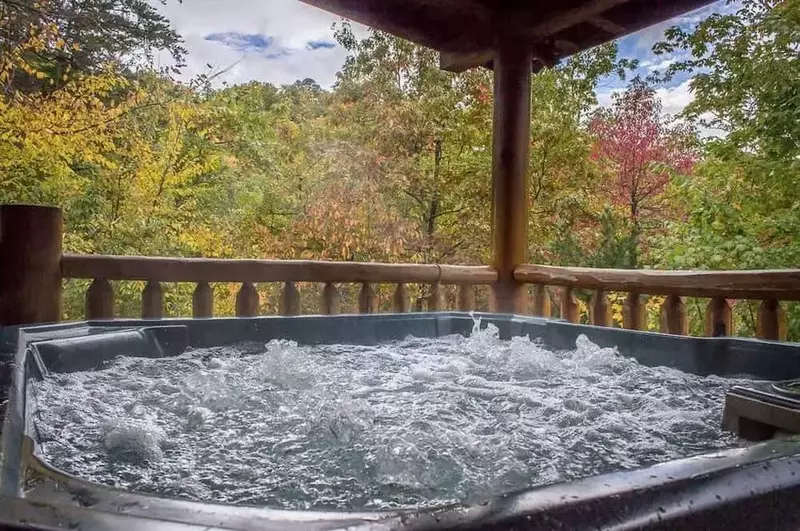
[415, 422]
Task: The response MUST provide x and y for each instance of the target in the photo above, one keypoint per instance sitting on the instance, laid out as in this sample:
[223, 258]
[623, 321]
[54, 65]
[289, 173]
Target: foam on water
[407, 423]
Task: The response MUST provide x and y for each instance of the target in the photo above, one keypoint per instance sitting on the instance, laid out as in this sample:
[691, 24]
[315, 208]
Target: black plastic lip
[684, 491]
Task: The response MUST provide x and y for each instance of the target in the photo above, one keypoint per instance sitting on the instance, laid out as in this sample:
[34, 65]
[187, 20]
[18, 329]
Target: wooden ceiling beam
[461, 62]
[607, 25]
[444, 25]
[566, 19]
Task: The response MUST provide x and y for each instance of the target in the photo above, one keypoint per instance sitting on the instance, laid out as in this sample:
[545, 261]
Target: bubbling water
[417, 422]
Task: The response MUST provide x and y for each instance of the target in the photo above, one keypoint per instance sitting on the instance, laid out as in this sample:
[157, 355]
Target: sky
[280, 41]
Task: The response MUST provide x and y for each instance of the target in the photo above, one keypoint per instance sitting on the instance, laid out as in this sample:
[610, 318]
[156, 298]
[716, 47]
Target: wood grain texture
[100, 300]
[771, 321]
[203, 301]
[634, 312]
[673, 316]
[30, 276]
[400, 301]
[152, 301]
[541, 301]
[718, 318]
[329, 303]
[367, 299]
[290, 299]
[436, 302]
[600, 309]
[569, 306]
[247, 300]
[782, 284]
[167, 269]
[511, 140]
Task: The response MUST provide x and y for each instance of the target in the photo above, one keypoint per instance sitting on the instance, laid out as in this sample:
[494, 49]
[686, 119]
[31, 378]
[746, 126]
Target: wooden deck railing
[155, 270]
[768, 286]
[33, 267]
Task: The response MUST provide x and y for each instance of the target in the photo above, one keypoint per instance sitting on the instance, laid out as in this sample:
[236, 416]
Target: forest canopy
[392, 162]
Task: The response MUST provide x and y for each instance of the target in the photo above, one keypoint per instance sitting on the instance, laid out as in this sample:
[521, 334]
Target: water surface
[406, 423]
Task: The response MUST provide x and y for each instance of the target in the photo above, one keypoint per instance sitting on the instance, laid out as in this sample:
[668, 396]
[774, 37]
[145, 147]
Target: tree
[91, 34]
[642, 152]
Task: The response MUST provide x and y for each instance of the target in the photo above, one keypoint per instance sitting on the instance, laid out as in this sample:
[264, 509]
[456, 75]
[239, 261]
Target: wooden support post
[400, 303]
[203, 301]
[600, 310]
[569, 306]
[673, 316]
[541, 301]
[152, 301]
[634, 313]
[436, 298]
[100, 300]
[719, 318]
[367, 300]
[30, 264]
[290, 299]
[330, 299]
[247, 300]
[771, 322]
[466, 298]
[511, 140]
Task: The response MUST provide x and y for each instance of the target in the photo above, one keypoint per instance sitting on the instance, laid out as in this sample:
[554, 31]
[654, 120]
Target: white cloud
[675, 99]
[290, 23]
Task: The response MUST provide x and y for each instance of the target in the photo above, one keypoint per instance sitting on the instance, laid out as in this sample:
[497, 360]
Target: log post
[367, 300]
[673, 317]
[436, 298]
[152, 300]
[511, 136]
[541, 301]
[30, 264]
[466, 298]
[100, 300]
[290, 299]
[771, 322]
[330, 299]
[569, 306]
[203, 301]
[634, 312]
[599, 309]
[719, 318]
[400, 302]
[247, 300]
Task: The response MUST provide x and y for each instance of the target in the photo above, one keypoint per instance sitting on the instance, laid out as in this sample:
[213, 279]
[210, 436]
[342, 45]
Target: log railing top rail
[779, 284]
[165, 269]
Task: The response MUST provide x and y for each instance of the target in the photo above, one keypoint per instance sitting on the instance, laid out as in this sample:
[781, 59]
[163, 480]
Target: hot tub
[746, 486]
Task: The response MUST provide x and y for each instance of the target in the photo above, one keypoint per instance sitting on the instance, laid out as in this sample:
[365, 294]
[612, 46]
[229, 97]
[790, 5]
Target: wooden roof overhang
[465, 31]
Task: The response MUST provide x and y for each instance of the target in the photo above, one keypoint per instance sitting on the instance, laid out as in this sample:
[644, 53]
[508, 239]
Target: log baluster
[290, 299]
[152, 301]
[100, 300]
[367, 299]
[569, 306]
[673, 316]
[330, 299]
[247, 300]
[400, 302]
[719, 318]
[599, 309]
[541, 301]
[466, 298]
[203, 301]
[436, 301]
[771, 322]
[634, 312]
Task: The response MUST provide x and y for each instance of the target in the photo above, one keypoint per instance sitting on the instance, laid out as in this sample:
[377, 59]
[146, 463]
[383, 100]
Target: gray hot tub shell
[744, 488]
